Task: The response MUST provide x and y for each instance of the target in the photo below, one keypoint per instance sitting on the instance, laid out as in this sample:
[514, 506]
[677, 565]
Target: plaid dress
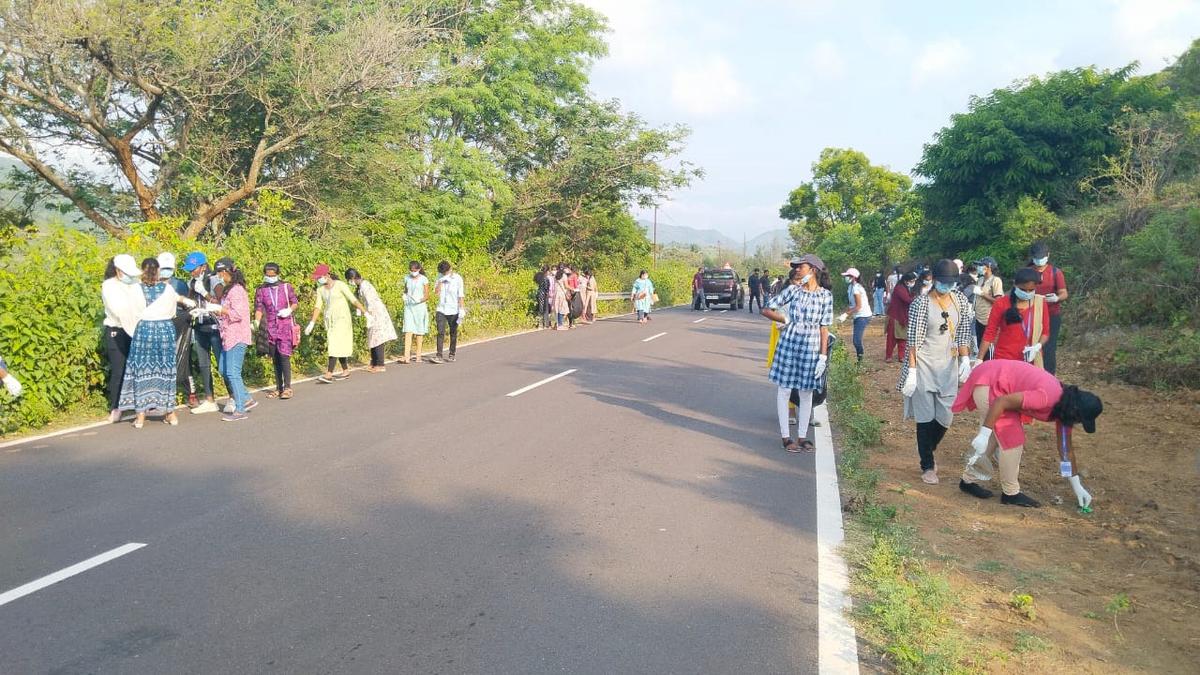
[799, 345]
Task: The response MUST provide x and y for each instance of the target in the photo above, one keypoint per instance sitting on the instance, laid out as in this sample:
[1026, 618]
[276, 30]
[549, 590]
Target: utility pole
[654, 251]
[743, 246]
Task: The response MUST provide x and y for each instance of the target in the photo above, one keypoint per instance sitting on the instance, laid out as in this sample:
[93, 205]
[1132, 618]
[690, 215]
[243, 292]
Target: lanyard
[1065, 468]
[1027, 322]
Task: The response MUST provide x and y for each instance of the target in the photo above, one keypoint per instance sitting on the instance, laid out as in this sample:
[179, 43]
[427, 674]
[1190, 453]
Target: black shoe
[1019, 499]
[974, 490]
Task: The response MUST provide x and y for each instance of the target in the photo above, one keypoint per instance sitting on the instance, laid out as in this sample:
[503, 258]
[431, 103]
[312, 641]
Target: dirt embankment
[1114, 591]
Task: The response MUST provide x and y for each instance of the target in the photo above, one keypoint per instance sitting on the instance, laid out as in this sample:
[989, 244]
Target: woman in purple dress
[274, 302]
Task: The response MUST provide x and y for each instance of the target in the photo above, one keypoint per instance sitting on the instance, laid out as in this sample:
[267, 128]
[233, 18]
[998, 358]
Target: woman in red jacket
[1018, 326]
[896, 329]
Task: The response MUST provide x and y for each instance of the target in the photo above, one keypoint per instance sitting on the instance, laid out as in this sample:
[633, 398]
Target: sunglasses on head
[945, 322]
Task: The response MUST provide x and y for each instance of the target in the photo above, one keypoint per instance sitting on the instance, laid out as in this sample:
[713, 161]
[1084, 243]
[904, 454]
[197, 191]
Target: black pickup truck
[722, 286]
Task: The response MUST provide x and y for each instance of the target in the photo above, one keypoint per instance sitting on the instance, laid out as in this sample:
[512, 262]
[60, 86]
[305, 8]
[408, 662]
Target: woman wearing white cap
[860, 307]
[123, 304]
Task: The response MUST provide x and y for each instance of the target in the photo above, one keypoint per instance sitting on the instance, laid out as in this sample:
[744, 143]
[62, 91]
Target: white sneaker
[206, 407]
[229, 408]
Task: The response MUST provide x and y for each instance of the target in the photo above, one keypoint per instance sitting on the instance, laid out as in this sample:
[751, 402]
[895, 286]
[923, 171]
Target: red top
[1048, 283]
[898, 305]
[1011, 338]
[698, 282]
[1040, 392]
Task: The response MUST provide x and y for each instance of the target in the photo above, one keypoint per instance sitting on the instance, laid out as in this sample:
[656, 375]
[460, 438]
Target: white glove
[822, 362]
[309, 328]
[187, 302]
[285, 312]
[198, 313]
[980, 443]
[910, 384]
[198, 286]
[358, 312]
[462, 313]
[1030, 353]
[1081, 495]
[1052, 297]
[370, 322]
[964, 368]
[214, 308]
[842, 317]
[12, 385]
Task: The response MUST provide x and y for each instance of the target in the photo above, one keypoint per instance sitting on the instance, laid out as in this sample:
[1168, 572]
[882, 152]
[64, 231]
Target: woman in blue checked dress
[805, 308]
[150, 369]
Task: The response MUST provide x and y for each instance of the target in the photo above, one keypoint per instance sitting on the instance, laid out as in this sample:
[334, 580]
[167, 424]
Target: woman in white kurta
[380, 329]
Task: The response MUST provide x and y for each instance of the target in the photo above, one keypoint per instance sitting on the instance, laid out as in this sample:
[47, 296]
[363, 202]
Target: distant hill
[41, 214]
[681, 235]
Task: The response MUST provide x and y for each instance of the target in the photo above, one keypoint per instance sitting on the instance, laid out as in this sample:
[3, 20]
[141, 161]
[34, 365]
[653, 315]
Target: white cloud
[939, 60]
[1154, 31]
[826, 61]
[707, 88]
[634, 37]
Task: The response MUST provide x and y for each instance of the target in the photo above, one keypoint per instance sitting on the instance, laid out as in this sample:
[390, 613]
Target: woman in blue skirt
[805, 308]
[149, 382]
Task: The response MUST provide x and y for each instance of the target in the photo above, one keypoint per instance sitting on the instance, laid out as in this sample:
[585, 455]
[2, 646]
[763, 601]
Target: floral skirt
[150, 369]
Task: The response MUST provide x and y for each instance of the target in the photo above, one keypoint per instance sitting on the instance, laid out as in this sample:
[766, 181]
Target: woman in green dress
[416, 311]
[335, 298]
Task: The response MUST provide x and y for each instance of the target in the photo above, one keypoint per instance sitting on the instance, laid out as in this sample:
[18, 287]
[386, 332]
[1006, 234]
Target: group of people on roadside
[156, 319]
[565, 297]
[990, 352]
[762, 285]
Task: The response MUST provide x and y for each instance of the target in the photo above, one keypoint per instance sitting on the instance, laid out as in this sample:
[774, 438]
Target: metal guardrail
[618, 295]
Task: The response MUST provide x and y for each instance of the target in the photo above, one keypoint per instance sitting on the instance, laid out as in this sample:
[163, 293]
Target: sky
[766, 84]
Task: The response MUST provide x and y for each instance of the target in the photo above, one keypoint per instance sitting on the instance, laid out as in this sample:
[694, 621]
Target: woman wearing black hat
[1008, 392]
[941, 333]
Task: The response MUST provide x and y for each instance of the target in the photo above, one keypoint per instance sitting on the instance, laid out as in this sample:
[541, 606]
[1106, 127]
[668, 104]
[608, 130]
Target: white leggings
[803, 412]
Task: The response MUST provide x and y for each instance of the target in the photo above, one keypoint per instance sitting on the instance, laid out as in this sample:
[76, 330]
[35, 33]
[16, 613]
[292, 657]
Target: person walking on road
[416, 311]
[805, 310]
[203, 287]
[1051, 285]
[275, 302]
[755, 290]
[879, 288]
[149, 383]
[643, 296]
[124, 302]
[334, 299]
[380, 328]
[234, 321]
[451, 308]
[1017, 326]
[562, 298]
[1008, 393]
[545, 305]
[698, 299]
[990, 288]
[860, 308]
[940, 336]
[896, 329]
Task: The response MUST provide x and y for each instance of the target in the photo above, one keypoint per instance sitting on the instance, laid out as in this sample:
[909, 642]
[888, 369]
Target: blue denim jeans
[230, 365]
[879, 302]
[860, 327]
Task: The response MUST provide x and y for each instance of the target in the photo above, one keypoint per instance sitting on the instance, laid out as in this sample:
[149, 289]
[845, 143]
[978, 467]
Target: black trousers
[377, 354]
[754, 297]
[929, 435]
[283, 370]
[116, 349]
[1050, 351]
[334, 360]
[450, 321]
[207, 345]
[183, 357]
[980, 328]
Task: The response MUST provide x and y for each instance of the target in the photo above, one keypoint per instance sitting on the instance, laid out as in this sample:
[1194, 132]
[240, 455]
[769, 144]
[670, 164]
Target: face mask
[322, 281]
[944, 288]
[927, 283]
[130, 280]
[805, 279]
[1041, 261]
[980, 271]
[270, 280]
[1024, 295]
[415, 272]
[166, 274]
[910, 284]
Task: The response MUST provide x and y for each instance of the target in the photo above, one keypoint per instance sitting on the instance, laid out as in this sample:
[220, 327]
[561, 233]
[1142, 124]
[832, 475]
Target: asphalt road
[635, 516]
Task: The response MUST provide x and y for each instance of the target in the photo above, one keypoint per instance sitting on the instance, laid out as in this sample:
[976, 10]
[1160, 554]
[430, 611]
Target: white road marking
[535, 385]
[701, 319]
[654, 337]
[67, 572]
[724, 310]
[837, 646]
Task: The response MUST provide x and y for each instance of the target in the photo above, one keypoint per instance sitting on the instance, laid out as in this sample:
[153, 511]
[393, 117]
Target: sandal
[342, 375]
[272, 394]
[790, 445]
[171, 420]
[807, 446]
[287, 393]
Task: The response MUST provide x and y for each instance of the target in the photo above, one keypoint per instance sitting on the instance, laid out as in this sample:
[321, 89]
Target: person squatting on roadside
[1017, 327]
[1006, 393]
[1051, 285]
[805, 310]
[940, 335]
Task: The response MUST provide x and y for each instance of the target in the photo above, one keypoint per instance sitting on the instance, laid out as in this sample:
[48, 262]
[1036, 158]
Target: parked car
[722, 286]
